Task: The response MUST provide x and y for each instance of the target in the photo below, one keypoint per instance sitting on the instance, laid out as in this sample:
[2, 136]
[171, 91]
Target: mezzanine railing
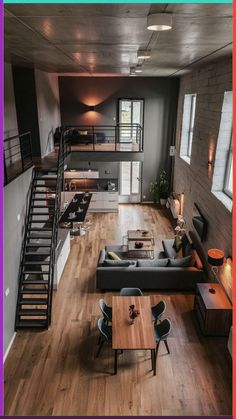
[17, 156]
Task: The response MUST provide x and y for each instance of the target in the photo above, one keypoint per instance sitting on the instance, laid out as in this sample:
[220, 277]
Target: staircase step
[44, 214]
[34, 282]
[36, 236]
[33, 312]
[39, 262]
[42, 199]
[32, 301]
[43, 206]
[39, 229]
[40, 323]
[43, 192]
[38, 221]
[30, 272]
[37, 254]
[33, 291]
[38, 244]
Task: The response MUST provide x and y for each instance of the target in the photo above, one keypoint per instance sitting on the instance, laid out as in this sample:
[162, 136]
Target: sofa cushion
[198, 262]
[150, 263]
[185, 242]
[113, 256]
[177, 243]
[170, 252]
[181, 263]
[187, 251]
[117, 263]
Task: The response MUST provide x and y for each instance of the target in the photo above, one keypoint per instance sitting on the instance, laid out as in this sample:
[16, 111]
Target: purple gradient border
[1, 207]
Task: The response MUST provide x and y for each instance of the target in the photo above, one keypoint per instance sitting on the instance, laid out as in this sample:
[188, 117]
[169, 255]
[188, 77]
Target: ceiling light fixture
[138, 69]
[159, 22]
[132, 71]
[144, 54]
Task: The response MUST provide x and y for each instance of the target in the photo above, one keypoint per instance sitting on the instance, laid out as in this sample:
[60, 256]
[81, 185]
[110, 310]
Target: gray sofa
[149, 278]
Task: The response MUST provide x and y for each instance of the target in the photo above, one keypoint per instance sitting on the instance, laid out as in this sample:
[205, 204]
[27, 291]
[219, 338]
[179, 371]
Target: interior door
[130, 113]
[130, 182]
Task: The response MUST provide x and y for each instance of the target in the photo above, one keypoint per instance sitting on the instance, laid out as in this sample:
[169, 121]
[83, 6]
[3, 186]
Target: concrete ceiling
[103, 39]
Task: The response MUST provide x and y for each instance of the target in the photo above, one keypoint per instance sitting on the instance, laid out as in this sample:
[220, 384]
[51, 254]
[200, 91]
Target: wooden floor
[55, 372]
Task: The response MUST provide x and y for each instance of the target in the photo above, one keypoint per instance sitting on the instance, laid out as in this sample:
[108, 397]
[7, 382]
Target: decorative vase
[163, 201]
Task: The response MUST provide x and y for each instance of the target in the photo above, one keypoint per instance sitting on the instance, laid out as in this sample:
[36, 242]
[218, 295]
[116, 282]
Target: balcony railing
[120, 137]
[17, 156]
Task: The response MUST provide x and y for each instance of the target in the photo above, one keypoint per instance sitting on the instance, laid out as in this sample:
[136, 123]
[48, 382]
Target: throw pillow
[83, 132]
[177, 243]
[179, 254]
[187, 251]
[198, 262]
[113, 256]
[185, 241]
[181, 263]
[156, 263]
[116, 263]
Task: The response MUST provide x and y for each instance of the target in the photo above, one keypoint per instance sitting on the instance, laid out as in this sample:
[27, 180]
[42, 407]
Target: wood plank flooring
[55, 372]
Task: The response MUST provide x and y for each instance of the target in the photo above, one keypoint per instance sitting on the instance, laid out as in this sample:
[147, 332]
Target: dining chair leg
[99, 348]
[167, 347]
[154, 361]
[115, 362]
[157, 347]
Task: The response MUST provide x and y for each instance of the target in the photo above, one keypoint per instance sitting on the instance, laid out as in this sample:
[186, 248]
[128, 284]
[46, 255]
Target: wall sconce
[210, 163]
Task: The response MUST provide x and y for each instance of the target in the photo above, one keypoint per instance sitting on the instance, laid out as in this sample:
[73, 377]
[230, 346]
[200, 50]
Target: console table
[213, 311]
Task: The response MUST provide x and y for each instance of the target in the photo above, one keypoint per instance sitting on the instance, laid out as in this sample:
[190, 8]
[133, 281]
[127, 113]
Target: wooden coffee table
[146, 251]
[140, 235]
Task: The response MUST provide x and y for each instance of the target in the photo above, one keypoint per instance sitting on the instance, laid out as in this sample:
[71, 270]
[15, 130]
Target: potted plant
[163, 187]
[154, 191]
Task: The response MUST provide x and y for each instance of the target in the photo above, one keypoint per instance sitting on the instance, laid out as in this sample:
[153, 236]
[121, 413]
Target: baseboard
[9, 347]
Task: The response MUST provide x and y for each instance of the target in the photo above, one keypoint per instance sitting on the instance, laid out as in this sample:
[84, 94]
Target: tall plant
[163, 185]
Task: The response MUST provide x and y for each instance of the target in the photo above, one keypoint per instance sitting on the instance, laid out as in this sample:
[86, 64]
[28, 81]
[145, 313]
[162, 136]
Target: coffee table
[140, 235]
[146, 251]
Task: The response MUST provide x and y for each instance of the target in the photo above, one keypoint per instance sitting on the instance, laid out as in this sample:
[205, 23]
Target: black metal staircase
[34, 302]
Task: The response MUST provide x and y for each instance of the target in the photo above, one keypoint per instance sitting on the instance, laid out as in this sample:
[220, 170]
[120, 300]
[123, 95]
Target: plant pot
[163, 201]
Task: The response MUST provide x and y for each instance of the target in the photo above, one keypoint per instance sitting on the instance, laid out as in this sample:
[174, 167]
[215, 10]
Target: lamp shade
[159, 22]
[216, 257]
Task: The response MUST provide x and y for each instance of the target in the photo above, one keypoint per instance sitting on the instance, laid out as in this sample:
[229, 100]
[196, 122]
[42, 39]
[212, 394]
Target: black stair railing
[17, 156]
[44, 239]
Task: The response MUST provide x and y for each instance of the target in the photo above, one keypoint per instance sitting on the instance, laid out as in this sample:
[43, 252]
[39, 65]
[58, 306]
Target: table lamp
[215, 259]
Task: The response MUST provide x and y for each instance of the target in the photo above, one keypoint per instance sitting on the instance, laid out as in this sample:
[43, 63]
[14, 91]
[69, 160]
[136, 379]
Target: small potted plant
[163, 187]
[154, 191]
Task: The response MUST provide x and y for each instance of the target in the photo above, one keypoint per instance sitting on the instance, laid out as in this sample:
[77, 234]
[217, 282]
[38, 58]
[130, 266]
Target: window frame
[187, 134]
[228, 168]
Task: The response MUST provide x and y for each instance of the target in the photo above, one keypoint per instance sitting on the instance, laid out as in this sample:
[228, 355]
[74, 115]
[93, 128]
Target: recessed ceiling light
[159, 22]
[138, 69]
[144, 54]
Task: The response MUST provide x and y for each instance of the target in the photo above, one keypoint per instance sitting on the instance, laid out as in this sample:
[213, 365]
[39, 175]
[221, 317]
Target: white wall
[48, 103]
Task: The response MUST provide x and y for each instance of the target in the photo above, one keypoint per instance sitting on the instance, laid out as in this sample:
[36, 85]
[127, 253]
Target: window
[228, 181]
[222, 182]
[187, 127]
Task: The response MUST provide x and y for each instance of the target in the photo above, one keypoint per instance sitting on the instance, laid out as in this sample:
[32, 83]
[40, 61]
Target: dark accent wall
[160, 107]
[26, 105]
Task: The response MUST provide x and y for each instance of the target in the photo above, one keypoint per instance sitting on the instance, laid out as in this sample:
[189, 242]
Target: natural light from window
[187, 127]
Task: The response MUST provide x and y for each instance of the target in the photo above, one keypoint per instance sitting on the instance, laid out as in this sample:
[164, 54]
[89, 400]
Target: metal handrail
[17, 157]
[132, 133]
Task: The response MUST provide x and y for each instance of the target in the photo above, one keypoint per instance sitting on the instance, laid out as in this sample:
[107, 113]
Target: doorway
[130, 113]
[130, 181]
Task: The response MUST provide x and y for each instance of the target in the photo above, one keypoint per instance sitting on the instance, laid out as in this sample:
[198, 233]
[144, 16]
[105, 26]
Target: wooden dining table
[136, 336]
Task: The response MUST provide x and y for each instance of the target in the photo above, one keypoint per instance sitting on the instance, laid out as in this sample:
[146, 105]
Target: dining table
[128, 335]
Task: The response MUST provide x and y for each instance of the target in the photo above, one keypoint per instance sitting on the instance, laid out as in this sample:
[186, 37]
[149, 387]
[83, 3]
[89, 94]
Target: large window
[187, 127]
[222, 183]
[228, 181]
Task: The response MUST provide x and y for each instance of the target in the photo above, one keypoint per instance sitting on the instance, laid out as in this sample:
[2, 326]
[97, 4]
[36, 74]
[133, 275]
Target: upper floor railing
[120, 137]
[17, 156]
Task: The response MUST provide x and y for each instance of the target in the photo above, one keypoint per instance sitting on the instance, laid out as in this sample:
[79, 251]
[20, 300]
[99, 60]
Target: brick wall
[195, 180]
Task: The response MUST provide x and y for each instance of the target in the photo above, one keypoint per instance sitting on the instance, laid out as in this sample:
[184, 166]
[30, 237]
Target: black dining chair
[162, 331]
[158, 311]
[105, 334]
[106, 310]
[130, 291]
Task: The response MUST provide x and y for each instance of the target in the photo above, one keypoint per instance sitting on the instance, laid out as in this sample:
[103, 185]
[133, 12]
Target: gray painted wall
[160, 95]
[10, 118]
[14, 203]
[48, 104]
[195, 180]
